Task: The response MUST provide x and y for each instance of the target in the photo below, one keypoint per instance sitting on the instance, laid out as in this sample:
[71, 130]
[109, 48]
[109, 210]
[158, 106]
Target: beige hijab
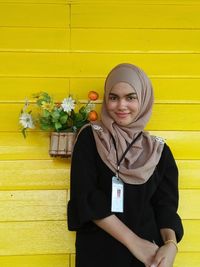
[143, 156]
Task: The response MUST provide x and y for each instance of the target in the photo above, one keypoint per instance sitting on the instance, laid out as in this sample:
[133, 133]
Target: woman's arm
[142, 249]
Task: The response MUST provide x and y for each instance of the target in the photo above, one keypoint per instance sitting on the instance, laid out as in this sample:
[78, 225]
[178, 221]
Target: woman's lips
[121, 115]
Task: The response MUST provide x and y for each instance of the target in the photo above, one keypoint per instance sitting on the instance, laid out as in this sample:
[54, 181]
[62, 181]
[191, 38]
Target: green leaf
[82, 110]
[24, 132]
[55, 115]
[46, 113]
[63, 119]
[58, 126]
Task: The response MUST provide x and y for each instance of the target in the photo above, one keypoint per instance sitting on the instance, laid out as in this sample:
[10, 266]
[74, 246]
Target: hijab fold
[141, 159]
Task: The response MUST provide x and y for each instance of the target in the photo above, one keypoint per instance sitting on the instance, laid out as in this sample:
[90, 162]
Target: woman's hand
[165, 256]
[144, 250]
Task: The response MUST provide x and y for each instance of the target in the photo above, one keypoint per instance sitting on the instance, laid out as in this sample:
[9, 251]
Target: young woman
[124, 182]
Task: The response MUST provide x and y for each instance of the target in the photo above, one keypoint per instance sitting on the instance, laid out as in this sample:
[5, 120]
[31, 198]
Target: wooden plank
[34, 15]
[29, 238]
[184, 144]
[35, 174]
[58, 88]
[174, 117]
[35, 205]
[193, 198]
[189, 171]
[32, 238]
[14, 146]
[167, 90]
[187, 259]
[145, 16]
[176, 90]
[43, 205]
[34, 39]
[153, 2]
[96, 65]
[38, 1]
[73, 258]
[190, 2]
[164, 117]
[190, 242]
[136, 40]
[36, 260]
[182, 260]
[55, 174]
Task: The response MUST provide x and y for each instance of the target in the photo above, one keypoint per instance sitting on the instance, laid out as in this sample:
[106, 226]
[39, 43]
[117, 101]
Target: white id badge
[117, 204]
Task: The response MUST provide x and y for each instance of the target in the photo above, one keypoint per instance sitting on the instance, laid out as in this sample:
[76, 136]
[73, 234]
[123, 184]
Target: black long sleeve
[87, 201]
[166, 197]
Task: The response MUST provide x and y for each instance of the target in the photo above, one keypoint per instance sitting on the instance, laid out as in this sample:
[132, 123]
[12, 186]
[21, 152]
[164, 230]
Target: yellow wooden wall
[69, 46]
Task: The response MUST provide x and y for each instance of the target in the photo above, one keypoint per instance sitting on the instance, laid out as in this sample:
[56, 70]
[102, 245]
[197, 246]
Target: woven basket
[61, 144]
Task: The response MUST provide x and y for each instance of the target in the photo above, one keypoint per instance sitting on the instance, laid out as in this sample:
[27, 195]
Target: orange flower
[92, 116]
[92, 95]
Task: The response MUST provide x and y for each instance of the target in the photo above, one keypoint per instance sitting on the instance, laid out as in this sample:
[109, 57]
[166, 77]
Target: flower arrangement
[59, 117]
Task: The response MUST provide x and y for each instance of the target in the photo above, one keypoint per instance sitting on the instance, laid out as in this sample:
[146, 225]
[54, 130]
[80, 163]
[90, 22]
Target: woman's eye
[130, 98]
[112, 98]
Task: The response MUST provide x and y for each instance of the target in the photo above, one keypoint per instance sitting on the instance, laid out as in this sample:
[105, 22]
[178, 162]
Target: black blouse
[148, 207]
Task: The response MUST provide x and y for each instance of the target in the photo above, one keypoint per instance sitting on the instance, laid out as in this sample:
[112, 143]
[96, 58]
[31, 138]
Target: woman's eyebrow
[126, 95]
[131, 94]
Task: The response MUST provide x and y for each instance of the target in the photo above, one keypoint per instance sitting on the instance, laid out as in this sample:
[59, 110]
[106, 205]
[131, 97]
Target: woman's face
[122, 104]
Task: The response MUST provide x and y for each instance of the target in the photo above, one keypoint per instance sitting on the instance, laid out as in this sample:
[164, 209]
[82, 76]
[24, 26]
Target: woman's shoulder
[167, 158]
[85, 135]
[85, 130]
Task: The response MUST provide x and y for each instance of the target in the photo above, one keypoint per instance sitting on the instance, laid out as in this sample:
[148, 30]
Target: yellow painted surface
[58, 88]
[189, 207]
[33, 205]
[34, 15]
[121, 15]
[166, 90]
[34, 39]
[135, 40]
[189, 174]
[49, 205]
[55, 174]
[73, 258]
[69, 46]
[184, 144]
[183, 260]
[187, 259]
[35, 174]
[34, 238]
[37, 260]
[51, 237]
[82, 64]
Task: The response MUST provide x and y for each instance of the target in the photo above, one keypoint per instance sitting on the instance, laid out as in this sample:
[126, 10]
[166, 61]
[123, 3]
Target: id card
[117, 204]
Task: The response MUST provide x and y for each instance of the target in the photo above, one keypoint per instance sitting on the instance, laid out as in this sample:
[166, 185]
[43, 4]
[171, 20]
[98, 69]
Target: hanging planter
[62, 119]
[61, 144]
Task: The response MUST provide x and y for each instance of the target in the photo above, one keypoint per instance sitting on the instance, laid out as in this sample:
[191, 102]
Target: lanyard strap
[127, 149]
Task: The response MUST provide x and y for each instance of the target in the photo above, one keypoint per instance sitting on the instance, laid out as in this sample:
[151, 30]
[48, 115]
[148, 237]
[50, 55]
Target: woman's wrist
[173, 242]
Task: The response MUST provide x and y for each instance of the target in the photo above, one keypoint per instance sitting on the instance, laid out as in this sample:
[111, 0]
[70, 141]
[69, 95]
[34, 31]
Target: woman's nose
[122, 104]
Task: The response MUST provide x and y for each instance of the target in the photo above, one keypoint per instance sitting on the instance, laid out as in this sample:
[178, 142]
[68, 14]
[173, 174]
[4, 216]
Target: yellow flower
[47, 106]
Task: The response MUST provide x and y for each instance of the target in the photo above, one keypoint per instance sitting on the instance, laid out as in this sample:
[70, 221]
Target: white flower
[68, 104]
[26, 120]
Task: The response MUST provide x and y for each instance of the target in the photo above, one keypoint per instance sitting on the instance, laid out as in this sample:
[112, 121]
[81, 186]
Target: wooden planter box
[61, 144]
